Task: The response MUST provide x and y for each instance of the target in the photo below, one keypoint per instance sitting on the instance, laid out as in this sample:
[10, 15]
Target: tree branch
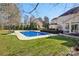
[34, 8]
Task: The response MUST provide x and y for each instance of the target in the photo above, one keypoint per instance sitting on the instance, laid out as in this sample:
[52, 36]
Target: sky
[51, 10]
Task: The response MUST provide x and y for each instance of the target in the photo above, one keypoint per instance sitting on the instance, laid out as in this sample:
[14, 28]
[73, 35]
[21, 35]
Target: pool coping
[20, 36]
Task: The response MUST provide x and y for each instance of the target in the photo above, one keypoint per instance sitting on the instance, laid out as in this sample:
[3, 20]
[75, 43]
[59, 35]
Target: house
[68, 22]
[39, 22]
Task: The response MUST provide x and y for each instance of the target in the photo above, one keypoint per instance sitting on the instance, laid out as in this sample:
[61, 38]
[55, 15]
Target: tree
[46, 22]
[9, 15]
[33, 26]
[26, 19]
[34, 8]
[46, 19]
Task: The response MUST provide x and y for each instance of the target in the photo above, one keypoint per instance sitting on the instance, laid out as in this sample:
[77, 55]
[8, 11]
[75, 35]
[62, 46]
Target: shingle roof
[71, 11]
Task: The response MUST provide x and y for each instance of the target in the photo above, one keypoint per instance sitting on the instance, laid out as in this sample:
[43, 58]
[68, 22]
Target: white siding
[63, 20]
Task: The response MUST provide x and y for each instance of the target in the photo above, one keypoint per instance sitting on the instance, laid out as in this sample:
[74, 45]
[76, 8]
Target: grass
[57, 45]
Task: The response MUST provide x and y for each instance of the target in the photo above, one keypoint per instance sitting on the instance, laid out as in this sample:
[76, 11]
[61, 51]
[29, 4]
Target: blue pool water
[33, 33]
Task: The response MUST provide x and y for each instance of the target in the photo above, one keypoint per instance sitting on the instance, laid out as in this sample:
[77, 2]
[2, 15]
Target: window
[67, 26]
[74, 28]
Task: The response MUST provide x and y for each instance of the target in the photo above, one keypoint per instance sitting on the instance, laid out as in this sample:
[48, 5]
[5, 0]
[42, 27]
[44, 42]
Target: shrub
[52, 31]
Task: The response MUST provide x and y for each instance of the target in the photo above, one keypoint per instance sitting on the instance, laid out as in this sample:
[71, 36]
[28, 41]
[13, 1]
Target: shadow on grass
[70, 42]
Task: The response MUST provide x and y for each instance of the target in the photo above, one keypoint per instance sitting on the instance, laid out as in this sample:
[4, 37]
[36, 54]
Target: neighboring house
[53, 26]
[68, 22]
[39, 23]
[29, 20]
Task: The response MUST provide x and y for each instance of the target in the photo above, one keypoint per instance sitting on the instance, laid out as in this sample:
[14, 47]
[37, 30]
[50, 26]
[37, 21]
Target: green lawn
[57, 45]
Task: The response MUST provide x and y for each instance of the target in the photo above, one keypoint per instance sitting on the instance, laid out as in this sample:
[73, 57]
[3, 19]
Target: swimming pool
[27, 35]
[33, 33]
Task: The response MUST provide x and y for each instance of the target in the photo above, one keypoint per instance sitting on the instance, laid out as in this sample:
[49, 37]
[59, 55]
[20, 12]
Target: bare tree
[34, 8]
[46, 22]
[9, 14]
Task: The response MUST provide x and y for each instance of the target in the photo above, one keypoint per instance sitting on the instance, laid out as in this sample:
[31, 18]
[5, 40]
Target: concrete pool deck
[20, 36]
